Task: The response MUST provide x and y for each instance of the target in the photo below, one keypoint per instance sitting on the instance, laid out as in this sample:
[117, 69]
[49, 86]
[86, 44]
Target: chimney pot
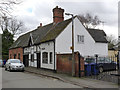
[40, 24]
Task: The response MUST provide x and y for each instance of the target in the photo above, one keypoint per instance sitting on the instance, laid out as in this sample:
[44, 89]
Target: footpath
[83, 82]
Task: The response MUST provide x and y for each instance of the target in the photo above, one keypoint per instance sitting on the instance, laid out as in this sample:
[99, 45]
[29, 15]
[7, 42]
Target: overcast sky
[34, 12]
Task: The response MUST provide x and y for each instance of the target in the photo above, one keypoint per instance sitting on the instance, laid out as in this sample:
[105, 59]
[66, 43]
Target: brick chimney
[58, 14]
[40, 24]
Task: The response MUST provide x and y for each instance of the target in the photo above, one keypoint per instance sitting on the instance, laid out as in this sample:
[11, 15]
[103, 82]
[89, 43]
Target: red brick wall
[64, 64]
[16, 51]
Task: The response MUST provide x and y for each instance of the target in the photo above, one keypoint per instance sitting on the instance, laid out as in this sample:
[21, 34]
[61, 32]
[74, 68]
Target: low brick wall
[64, 64]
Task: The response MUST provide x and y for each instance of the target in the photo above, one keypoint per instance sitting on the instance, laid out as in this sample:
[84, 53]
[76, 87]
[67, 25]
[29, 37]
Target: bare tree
[12, 25]
[112, 41]
[16, 27]
[7, 5]
[89, 21]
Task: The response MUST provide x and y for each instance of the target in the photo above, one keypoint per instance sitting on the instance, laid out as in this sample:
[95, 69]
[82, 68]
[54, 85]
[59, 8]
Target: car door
[113, 65]
[107, 64]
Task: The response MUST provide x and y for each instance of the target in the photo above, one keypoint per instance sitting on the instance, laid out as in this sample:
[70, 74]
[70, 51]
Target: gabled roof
[41, 34]
[98, 35]
[50, 32]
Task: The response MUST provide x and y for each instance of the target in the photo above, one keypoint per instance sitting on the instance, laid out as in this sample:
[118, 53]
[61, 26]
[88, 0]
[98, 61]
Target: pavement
[82, 81]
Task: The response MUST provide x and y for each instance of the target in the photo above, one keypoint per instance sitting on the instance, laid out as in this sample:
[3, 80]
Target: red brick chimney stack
[58, 14]
[40, 24]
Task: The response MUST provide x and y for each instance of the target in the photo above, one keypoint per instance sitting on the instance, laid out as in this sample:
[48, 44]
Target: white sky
[34, 12]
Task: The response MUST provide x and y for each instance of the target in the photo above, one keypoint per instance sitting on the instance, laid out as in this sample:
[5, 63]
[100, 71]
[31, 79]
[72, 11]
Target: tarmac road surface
[28, 80]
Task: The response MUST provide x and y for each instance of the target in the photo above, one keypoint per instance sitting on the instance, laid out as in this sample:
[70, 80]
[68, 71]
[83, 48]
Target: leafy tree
[7, 41]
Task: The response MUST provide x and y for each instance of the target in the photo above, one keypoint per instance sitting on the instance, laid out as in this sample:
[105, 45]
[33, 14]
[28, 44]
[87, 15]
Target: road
[28, 80]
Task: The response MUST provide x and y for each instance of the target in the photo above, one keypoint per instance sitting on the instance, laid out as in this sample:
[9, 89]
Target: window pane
[14, 56]
[80, 38]
[32, 58]
[45, 57]
[51, 58]
[19, 56]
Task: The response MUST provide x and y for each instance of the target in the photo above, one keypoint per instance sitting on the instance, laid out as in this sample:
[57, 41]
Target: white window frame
[80, 39]
[45, 58]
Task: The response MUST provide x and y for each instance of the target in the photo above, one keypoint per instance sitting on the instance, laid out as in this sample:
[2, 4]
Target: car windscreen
[14, 61]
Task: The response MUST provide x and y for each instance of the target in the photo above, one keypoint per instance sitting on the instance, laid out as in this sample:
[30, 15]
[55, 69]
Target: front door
[25, 60]
[38, 60]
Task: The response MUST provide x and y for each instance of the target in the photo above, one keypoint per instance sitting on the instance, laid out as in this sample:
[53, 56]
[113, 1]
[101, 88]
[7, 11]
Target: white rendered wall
[64, 41]
[31, 50]
[47, 47]
[89, 47]
[44, 47]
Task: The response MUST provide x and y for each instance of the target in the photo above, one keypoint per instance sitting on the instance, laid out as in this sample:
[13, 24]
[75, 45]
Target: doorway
[26, 60]
[38, 60]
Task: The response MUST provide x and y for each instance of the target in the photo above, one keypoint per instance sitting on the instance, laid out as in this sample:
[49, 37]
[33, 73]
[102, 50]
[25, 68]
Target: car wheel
[5, 69]
[9, 69]
[100, 69]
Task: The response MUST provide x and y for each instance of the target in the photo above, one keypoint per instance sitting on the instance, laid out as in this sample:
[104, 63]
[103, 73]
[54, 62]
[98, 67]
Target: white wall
[64, 41]
[89, 47]
[44, 47]
[101, 49]
[31, 50]
[47, 47]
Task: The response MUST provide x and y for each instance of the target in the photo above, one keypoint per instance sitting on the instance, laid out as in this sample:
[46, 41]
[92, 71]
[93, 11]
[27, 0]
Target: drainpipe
[54, 56]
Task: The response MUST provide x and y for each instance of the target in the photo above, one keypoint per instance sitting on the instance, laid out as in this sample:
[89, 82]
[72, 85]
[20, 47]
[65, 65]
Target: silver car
[14, 64]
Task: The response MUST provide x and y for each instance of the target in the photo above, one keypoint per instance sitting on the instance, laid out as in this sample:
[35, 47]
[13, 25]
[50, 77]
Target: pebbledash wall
[44, 47]
[16, 53]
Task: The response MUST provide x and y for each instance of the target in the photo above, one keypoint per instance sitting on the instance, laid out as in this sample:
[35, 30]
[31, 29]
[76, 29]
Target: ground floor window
[14, 56]
[10, 56]
[19, 56]
[45, 57]
[51, 58]
[32, 57]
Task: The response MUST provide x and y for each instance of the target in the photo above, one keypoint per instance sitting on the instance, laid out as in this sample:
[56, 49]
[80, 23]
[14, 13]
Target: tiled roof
[50, 32]
[98, 35]
[41, 34]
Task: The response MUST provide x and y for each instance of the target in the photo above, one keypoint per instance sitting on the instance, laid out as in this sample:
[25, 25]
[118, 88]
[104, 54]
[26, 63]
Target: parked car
[103, 64]
[1, 63]
[14, 64]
